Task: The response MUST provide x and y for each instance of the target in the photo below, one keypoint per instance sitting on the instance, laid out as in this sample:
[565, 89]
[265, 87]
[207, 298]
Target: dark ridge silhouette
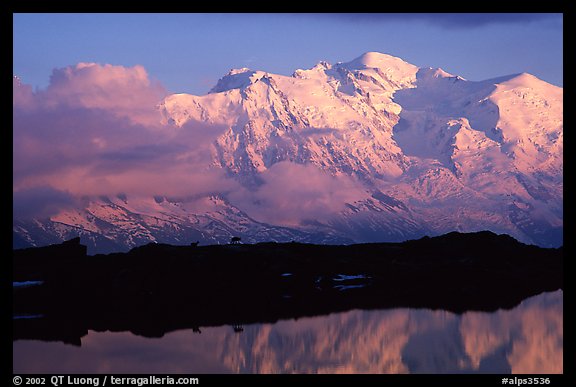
[158, 288]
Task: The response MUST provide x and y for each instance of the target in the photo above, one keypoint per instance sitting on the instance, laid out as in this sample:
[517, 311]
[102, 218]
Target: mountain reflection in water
[526, 339]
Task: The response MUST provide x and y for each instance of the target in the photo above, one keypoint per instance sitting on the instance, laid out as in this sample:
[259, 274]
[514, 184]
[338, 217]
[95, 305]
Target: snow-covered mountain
[426, 152]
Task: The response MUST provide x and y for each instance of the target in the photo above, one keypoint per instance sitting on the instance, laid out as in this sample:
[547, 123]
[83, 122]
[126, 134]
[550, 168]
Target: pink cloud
[41, 201]
[294, 193]
[126, 92]
[109, 156]
[96, 131]
[22, 94]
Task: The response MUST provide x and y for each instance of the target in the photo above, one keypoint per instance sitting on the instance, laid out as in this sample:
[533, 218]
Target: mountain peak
[319, 68]
[522, 80]
[238, 71]
[392, 68]
[235, 79]
[374, 59]
[323, 65]
[526, 80]
[431, 72]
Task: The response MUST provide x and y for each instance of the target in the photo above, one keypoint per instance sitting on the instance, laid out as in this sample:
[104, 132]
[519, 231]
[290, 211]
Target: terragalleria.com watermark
[97, 381]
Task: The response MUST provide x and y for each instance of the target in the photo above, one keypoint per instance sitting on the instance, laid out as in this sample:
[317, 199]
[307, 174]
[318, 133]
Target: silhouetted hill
[157, 288]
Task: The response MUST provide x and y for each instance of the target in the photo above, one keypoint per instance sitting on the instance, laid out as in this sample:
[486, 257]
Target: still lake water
[527, 339]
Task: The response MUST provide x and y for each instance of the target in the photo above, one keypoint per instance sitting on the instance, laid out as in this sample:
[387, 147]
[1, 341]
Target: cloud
[41, 202]
[124, 91]
[22, 94]
[292, 194]
[96, 131]
[445, 20]
[52, 141]
[95, 154]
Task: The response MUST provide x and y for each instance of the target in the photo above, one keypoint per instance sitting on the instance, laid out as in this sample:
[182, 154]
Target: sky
[188, 53]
